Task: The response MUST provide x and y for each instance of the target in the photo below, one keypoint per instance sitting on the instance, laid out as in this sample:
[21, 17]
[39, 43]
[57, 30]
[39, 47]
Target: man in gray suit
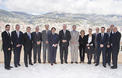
[95, 51]
[74, 45]
[45, 43]
[37, 39]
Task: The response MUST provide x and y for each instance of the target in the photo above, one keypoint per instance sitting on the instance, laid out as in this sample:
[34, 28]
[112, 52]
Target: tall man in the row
[46, 44]
[115, 43]
[64, 43]
[17, 39]
[102, 40]
[7, 47]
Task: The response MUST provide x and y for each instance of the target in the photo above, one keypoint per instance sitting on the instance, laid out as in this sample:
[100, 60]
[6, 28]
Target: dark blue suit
[102, 40]
[115, 42]
[6, 43]
[53, 39]
[17, 50]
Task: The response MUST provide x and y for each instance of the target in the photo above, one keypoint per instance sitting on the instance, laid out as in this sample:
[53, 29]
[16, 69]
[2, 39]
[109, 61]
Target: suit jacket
[74, 37]
[15, 38]
[103, 40]
[35, 38]
[53, 39]
[115, 40]
[92, 42]
[66, 36]
[6, 41]
[27, 42]
[45, 36]
[82, 41]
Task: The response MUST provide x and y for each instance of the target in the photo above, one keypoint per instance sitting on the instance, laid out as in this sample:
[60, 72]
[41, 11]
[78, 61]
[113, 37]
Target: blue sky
[68, 6]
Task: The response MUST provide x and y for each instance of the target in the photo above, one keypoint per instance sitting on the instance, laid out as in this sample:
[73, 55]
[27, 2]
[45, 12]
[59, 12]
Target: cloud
[70, 6]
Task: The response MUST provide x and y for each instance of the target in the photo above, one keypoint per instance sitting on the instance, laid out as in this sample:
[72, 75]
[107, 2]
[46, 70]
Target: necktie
[29, 35]
[8, 34]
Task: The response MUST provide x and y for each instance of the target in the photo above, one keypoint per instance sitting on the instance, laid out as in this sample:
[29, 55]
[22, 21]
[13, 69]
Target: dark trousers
[103, 50]
[27, 57]
[115, 53]
[82, 53]
[108, 56]
[37, 52]
[7, 58]
[95, 54]
[53, 51]
[17, 52]
[89, 56]
[63, 53]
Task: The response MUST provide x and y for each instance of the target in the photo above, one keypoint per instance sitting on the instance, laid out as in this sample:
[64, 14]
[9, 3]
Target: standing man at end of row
[7, 47]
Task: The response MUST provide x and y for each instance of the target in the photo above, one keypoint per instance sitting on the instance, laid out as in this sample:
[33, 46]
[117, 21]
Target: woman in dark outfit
[82, 45]
[53, 39]
[90, 45]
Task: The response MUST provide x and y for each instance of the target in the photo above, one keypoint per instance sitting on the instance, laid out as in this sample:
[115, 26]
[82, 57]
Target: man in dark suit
[115, 43]
[65, 37]
[7, 47]
[108, 49]
[37, 39]
[102, 42]
[17, 39]
[27, 42]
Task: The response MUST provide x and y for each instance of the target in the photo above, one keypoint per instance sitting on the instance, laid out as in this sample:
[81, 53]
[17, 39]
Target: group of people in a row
[107, 43]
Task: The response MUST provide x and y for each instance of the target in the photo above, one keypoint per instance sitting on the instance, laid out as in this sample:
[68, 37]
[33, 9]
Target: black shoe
[71, 62]
[26, 65]
[104, 66]
[76, 62]
[89, 63]
[109, 64]
[39, 61]
[19, 65]
[10, 67]
[113, 67]
[31, 64]
[7, 68]
[66, 62]
[96, 64]
[34, 62]
[15, 66]
[51, 64]
[61, 62]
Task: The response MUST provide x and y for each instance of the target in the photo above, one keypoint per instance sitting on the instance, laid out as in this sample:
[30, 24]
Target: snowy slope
[61, 71]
